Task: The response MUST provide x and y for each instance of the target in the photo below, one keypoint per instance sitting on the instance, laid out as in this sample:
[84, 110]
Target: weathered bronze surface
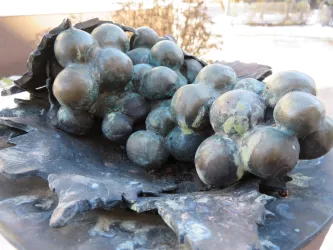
[208, 218]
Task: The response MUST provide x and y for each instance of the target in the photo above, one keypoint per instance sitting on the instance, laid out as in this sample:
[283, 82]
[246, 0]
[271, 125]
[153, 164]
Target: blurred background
[284, 34]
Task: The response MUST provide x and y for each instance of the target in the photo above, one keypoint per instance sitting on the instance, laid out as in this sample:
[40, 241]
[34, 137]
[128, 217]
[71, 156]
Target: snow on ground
[306, 48]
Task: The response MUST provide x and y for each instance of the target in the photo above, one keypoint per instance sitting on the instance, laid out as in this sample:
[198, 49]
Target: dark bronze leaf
[36, 75]
[209, 220]
[85, 172]
[249, 70]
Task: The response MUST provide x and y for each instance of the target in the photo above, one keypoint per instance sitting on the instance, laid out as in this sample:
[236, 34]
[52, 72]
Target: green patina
[231, 126]
[111, 117]
[240, 172]
[246, 150]
[228, 126]
[182, 124]
[199, 119]
[186, 130]
[301, 180]
[241, 128]
[240, 106]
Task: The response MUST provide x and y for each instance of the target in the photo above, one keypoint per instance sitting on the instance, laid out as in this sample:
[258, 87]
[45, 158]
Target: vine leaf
[225, 218]
[249, 70]
[85, 172]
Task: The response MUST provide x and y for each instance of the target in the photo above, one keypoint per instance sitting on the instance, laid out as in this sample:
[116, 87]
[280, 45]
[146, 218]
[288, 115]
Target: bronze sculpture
[244, 121]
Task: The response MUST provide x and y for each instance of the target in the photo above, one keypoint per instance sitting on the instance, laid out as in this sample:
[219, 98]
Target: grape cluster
[229, 126]
[206, 115]
[106, 75]
[246, 139]
[170, 72]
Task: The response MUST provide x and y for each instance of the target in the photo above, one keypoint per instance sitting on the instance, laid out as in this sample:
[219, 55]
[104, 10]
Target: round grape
[147, 149]
[139, 55]
[135, 106]
[146, 38]
[250, 84]
[75, 87]
[268, 152]
[190, 69]
[284, 82]
[111, 36]
[168, 54]
[319, 142]
[237, 111]
[117, 127]
[190, 106]
[160, 120]
[138, 71]
[74, 46]
[300, 112]
[115, 67]
[220, 77]
[182, 145]
[159, 83]
[76, 122]
[217, 160]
